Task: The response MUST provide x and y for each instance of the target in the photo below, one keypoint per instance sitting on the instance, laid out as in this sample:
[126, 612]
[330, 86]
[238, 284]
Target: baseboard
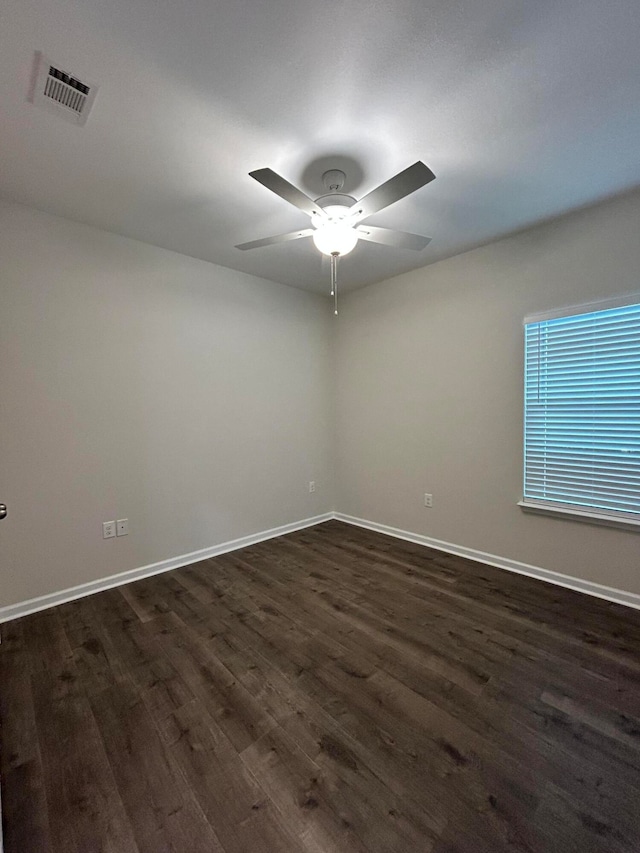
[619, 596]
[23, 608]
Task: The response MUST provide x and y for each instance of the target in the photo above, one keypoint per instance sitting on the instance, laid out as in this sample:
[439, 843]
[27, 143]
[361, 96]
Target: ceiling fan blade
[400, 239]
[278, 185]
[279, 238]
[400, 186]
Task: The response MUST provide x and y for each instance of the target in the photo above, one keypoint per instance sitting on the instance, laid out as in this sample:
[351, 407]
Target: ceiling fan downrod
[334, 280]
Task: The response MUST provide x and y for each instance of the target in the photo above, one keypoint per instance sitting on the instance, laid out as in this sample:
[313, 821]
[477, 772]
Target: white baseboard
[619, 596]
[23, 608]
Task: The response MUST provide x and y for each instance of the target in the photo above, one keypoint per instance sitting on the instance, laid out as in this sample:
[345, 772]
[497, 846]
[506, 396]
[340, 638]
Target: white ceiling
[524, 110]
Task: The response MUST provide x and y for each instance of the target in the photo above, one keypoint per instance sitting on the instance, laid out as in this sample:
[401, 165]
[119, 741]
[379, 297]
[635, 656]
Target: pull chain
[334, 280]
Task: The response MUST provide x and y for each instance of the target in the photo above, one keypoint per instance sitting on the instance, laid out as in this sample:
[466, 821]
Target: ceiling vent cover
[61, 92]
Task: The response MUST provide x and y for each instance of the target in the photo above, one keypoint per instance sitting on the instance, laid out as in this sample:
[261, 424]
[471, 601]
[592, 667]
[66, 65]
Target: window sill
[586, 516]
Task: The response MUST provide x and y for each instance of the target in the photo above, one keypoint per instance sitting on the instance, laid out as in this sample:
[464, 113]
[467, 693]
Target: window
[582, 413]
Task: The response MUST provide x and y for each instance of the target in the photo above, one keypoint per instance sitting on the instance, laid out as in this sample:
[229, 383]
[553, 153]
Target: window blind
[582, 412]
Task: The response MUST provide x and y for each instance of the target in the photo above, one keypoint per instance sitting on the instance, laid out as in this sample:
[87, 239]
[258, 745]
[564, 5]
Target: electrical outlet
[312, 486]
[108, 529]
[428, 499]
[122, 526]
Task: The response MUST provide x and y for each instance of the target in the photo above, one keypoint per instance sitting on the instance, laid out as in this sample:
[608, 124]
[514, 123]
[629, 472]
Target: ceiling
[524, 110]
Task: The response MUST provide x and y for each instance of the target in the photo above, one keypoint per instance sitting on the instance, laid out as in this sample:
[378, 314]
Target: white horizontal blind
[582, 412]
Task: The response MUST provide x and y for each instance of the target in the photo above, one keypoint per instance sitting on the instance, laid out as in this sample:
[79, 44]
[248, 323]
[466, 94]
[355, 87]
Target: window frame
[568, 511]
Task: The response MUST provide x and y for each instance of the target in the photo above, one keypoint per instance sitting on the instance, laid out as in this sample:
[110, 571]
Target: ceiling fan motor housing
[335, 200]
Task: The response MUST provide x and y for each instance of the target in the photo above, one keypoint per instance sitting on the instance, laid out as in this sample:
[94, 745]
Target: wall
[198, 401]
[429, 394]
[139, 383]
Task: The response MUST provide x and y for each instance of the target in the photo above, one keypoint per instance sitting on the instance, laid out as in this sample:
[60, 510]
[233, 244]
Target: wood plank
[160, 805]
[24, 802]
[300, 789]
[78, 778]
[228, 793]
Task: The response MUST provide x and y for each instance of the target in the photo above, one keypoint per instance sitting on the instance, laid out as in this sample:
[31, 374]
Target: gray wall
[198, 402]
[429, 392]
[139, 383]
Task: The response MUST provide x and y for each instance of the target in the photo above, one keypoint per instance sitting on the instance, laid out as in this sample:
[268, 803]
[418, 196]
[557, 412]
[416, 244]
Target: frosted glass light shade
[335, 238]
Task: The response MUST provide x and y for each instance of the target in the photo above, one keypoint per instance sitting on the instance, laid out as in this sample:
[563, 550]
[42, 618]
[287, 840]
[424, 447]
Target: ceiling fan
[336, 217]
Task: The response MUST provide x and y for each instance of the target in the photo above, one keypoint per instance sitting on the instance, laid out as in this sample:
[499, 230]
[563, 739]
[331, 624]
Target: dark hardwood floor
[331, 690]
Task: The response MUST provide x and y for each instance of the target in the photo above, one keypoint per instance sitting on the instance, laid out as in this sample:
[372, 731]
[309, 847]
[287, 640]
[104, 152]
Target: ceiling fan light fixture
[335, 238]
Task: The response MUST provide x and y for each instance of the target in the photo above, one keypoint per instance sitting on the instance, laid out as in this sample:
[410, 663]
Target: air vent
[61, 92]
